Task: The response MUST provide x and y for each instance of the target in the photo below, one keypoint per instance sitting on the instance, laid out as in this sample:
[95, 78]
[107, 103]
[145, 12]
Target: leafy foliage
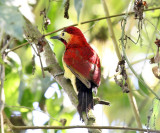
[22, 88]
[142, 88]
[8, 15]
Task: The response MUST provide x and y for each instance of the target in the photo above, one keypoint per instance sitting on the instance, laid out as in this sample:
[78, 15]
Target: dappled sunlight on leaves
[42, 101]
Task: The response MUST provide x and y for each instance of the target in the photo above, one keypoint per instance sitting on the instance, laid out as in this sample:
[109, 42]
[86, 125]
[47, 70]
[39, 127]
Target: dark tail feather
[85, 98]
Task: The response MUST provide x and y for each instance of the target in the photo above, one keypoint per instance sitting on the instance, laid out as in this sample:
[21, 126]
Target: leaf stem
[85, 22]
[111, 31]
[130, 95]
[129, 65]
[55, 69]
[24, 44]
[97, 19]
[77, 126]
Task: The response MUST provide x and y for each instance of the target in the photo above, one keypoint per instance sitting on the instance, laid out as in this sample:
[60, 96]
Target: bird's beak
[56, 37]
[59, 38]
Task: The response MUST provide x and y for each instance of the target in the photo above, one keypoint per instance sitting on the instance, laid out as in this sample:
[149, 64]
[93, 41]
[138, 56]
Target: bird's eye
[62, 33]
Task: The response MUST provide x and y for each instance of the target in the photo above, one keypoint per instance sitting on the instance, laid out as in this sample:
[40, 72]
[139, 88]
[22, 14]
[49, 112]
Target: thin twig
[90, 127]
[2, 95]
[130, 66]
[24, 44]
[111, 32]
[140, 60]
[78, 126]
[130, 94]
[40, 62]
[97, 19]
[56, 69]
[34, 41]
[38, 54]
[5, 47]
[152, 24]
[85, 22]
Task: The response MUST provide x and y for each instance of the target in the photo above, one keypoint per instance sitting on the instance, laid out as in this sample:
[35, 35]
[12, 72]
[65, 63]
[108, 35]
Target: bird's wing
[84, 64]
[80, 77]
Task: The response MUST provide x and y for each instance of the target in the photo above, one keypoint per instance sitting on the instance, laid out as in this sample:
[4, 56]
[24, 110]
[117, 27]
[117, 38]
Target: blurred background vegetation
[31, 99]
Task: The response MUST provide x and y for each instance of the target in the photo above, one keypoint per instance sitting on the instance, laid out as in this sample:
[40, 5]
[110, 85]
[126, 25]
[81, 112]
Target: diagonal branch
[102, 18]
[130, 95]
[129, 65]
[54, 69]
[84, 22]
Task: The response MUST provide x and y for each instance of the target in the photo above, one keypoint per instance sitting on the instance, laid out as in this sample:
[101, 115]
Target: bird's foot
[58, 74]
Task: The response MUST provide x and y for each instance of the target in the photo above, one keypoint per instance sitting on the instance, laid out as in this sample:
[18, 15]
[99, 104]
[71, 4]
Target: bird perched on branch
[82, 67]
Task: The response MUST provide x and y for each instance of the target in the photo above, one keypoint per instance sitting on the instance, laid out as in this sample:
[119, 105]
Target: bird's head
[71, 36]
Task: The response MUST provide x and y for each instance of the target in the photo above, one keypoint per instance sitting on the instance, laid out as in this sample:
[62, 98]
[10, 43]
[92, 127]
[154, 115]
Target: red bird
[82, 66]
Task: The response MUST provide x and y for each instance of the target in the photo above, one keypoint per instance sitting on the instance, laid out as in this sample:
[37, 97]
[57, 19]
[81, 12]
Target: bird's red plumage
[81, 57]
[85, 61]
[84, 64]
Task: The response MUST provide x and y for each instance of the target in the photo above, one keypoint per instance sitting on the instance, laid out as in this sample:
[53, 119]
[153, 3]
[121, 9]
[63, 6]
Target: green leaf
[29, 68]
[54, 105]
[12, 21]
[11, 85]
[78, 5]
[59, 50]
[113, 93]
[7, 111]
[27, 98]
[142, 88]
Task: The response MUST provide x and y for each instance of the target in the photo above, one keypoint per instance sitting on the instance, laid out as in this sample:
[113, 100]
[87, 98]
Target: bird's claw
[58, 74]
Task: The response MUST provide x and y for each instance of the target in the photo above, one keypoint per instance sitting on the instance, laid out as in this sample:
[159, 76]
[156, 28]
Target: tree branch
[111, 31]
[130, 94]
[54, 69]
[24, 44]
[97, 19]
[129, 65]
[77, 126]
[85, 22]
[2, 73]
[89, 127]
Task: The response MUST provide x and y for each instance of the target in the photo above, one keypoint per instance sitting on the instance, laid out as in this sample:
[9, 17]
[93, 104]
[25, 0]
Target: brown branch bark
[2, 76]
[24, 44]
[89, 127]
[34, 35]
[77, 126]
[55, 69]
